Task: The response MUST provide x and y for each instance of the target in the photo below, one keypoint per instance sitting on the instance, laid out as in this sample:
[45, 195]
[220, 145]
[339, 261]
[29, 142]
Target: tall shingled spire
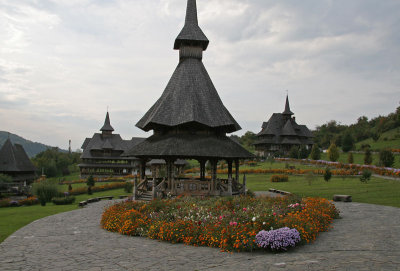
[287, 107]
[191, 34]
[107, 126]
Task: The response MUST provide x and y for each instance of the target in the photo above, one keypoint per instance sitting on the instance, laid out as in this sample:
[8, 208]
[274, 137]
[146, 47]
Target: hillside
[31, 148]
[387, 140]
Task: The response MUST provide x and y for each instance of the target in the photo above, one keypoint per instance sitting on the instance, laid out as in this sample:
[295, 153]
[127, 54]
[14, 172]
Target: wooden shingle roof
[191, 32]
[107, 126]
[13, 158]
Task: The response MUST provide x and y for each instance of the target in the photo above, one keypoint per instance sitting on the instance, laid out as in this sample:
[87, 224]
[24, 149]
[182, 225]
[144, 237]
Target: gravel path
[366, 238]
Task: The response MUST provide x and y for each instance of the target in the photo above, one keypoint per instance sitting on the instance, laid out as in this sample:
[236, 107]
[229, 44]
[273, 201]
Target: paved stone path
[366, 238]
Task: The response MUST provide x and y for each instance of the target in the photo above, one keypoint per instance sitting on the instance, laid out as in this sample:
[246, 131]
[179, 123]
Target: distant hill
[31, 148]
[387, 140]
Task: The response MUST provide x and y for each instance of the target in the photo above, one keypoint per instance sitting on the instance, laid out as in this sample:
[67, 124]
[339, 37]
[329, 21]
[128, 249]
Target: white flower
[264, 223]
[254, 218]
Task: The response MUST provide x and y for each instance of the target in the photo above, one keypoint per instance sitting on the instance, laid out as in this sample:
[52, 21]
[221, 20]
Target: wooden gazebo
[189, 121]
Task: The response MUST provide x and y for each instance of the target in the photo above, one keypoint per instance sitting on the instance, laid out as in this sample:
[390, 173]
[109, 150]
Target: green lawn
[14, 218]
[376, 191]
[389, 139]
[359, 158]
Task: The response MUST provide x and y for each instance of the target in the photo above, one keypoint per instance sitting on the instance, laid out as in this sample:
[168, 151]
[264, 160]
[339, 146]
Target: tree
[303, 152]
[386, 158]
[347, 142]
[294, 152]
[4, 180]
[90, 183]
[315, 152]
[333, 152]
[375, 136]
[327, 174]
[350, 158]
[368, 157]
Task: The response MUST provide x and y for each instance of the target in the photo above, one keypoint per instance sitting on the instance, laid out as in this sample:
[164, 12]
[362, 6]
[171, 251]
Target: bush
[279, 178]
[303, 152]
[5, 202]
[128, 188]
[45, 191]
[315, 153]
[347, 142]
[294, 152]
[327, 174]
[29, 201]
[368, 157]
[90, 183]
[350, 158]
[365, 176]
[64, 200]
[4, 179]
[333, 152]
[386, 158]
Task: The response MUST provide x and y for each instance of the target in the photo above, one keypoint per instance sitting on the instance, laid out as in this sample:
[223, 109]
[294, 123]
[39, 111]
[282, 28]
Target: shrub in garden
[90, 183]
[69, 187]
[45, 191]
[5, 202]
[280, 239]
[327, 174]
[333, 152]
[365, 176]
[128, 188]
[315, 153]
[29, 201]
[350, 158]
[303, 152]
[64, 200]
[294, 152]
[386, 158]
[368, 157]
[279, 178]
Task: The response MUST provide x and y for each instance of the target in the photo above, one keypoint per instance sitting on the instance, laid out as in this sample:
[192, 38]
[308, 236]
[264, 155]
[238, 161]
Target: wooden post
[244, 183]
[229, 186]
[142, 169]
[229, 169]
[135, 184]
[237, 169]
[154, 193]
[202, 169]
[213, 174]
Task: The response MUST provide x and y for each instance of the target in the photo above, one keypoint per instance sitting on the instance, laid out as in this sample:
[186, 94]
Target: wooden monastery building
[189, 121]
[15, 162]
[281, 133]
[101, 155]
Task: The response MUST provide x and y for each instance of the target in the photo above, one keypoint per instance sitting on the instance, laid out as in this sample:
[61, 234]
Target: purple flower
[280, 239]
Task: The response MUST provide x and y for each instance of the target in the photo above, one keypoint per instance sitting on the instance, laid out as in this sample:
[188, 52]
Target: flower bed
[338, 172]
[97, 188]
[23, 202]
[230, 224]
[279, 178]
[384, 171]
[101, 180]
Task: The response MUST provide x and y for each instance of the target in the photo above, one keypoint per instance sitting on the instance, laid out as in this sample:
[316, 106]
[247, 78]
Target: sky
[64, 62]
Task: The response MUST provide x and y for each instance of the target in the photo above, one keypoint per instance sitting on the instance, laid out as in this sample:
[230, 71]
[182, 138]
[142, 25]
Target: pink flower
[220, 217]
[244, 209]
[274, 213]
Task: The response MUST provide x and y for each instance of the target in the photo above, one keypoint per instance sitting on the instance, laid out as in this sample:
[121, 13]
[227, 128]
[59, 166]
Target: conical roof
[14, 158]
[191, 33]
[190, 96]
[287, 107]
[107, 126]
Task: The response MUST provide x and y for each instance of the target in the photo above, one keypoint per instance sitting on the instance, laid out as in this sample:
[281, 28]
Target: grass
[376, 191]
[389, 139]
[14, 218]
[359, 158]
